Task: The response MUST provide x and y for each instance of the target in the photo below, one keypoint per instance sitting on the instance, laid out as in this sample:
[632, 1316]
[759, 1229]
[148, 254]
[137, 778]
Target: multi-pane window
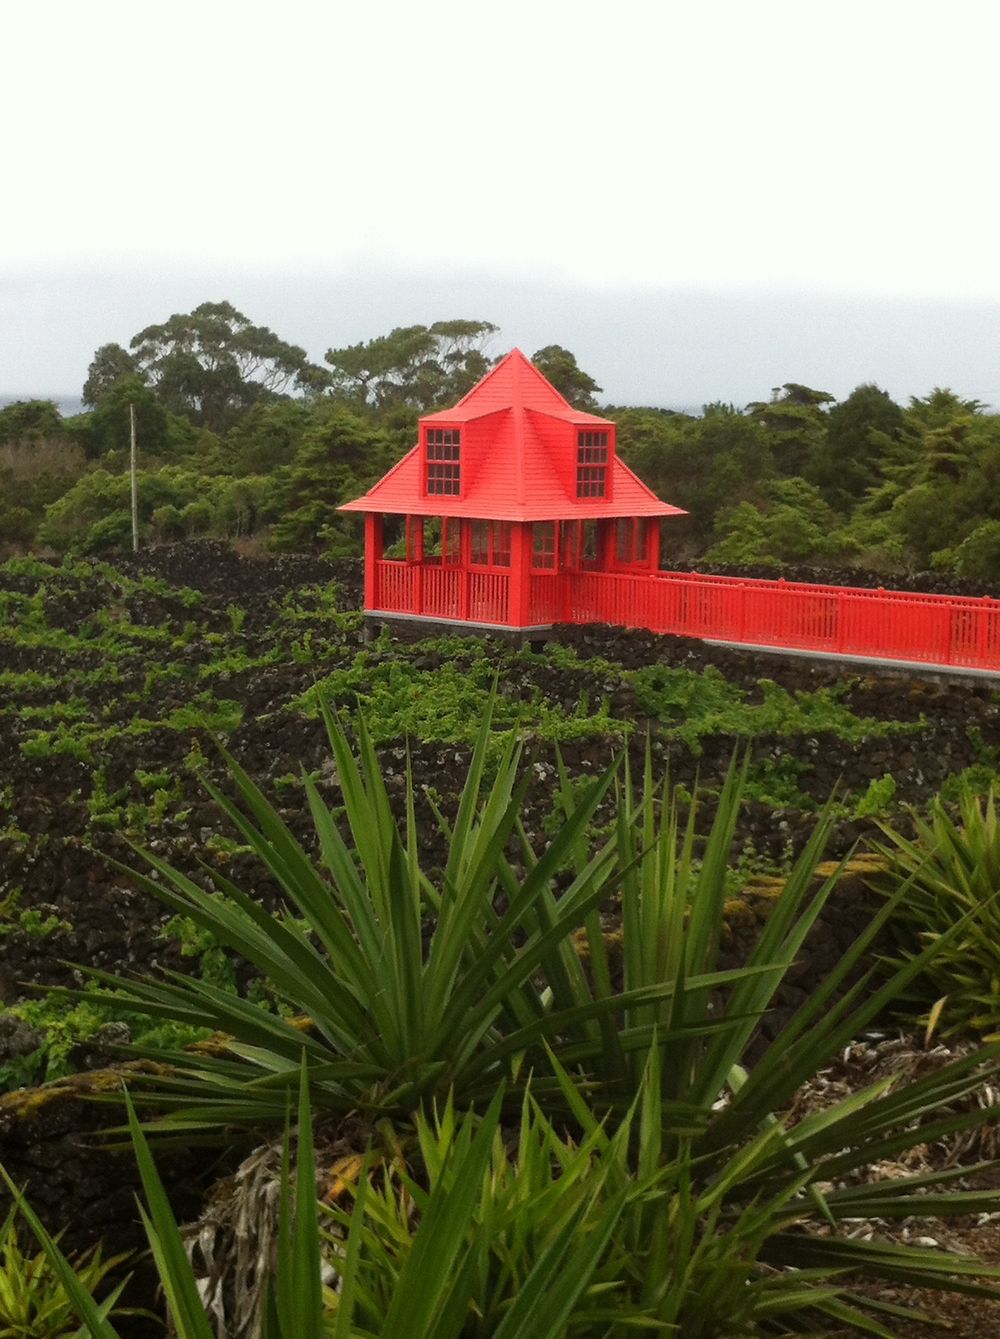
[631, 540]
[591, 464]
[479, 550]
[578, 540]
[543, 544]
[489, 543]
[451, 541]
[500, 539]
[588, 543]
[444, 447]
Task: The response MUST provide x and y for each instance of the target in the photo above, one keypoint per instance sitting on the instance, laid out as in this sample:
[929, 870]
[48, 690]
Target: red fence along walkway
[947, 630]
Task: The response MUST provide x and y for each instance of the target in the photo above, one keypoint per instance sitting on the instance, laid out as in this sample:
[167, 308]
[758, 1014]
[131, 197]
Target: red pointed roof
[518, 479]
[514, 383]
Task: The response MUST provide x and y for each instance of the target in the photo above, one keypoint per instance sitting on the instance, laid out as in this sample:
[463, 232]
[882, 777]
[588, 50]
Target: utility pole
[135, 482]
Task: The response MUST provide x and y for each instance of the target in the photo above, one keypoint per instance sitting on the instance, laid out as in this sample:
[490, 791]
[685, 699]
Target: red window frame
[489, 543]
[543, 546]
[592, 449]
[631, 541]
[451, 541]
[444, 462]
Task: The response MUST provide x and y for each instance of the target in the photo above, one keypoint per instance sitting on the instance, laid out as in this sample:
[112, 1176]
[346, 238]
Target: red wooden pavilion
[508, 504]
[513, 511]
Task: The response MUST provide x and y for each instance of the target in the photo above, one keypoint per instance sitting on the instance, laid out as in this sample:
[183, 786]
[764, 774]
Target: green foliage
[702, 464]
[295, 1298]
[110, 365]
[877, 798]
[446, 702]
[213, 364]
[64, 1025]
[696, 1197]
[94, 516]
[34, 1300]
[108, 427]
[338, 458]
[858, 432]
[795, 424]
[560, 367]
[952, 869]
[977, 558]
[693, 704]
[35, 924]
[425, 367]
[197, 942]
[543, 1238]
[30, 421]
[792, 524]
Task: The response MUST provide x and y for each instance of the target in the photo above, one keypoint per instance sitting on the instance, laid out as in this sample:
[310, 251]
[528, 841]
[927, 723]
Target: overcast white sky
[700, 199]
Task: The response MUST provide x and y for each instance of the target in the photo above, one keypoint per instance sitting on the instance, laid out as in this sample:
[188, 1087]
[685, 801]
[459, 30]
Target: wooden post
[373, 556]
[417, 557]
[519, 614]
[135, 480]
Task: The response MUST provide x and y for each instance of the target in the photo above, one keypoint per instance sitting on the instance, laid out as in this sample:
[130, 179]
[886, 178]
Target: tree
[859, 432]
[109, 365]
[108, 426]
[31, 421]
[794, 524]
[560, 367]
[701, 464]
[213, 364]
[795, 424]
[977, 558]
[416, 365]
[946, 476]
[338, 459]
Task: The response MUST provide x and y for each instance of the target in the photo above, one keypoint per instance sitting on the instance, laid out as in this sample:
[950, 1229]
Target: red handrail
[845, 620]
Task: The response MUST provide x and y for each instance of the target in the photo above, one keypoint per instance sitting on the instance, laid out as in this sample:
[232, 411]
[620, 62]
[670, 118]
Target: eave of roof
[399, 493]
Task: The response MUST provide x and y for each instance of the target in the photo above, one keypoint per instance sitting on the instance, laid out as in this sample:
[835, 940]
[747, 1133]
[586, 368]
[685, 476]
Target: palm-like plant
[953, 866]
[34, 1301]
[412, 989]
[434, 1288]
[415, 990]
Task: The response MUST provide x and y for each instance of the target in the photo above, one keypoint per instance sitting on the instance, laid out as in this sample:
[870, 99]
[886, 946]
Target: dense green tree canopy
[239, 434]
[860, 432]
[422, 366]
[339, 458]
[109, 365]
[570, 380]
[30, 421]
[795, 424]
[214, 364]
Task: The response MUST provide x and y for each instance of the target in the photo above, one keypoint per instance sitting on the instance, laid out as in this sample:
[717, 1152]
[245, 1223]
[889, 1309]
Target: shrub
[414, 990]
[952, 866]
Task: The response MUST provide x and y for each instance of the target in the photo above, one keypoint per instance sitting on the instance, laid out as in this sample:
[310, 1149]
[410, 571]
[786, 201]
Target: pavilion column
[374, 545]
[415, 551]
[519, 603]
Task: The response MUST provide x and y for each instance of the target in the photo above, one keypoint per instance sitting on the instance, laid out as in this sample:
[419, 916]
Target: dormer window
[444, 468]
[591, 464]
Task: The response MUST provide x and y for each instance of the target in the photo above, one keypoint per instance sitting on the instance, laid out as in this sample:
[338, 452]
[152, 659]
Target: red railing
[884, 624]
[442, 592]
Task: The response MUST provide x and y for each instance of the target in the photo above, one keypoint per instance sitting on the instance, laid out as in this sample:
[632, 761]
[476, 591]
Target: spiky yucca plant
[433, 1292]
[952, 862]
[414, 988]
[417, 990]
[34, 1301]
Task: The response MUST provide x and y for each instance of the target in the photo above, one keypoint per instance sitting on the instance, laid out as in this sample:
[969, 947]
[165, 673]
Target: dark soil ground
[115, 683]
